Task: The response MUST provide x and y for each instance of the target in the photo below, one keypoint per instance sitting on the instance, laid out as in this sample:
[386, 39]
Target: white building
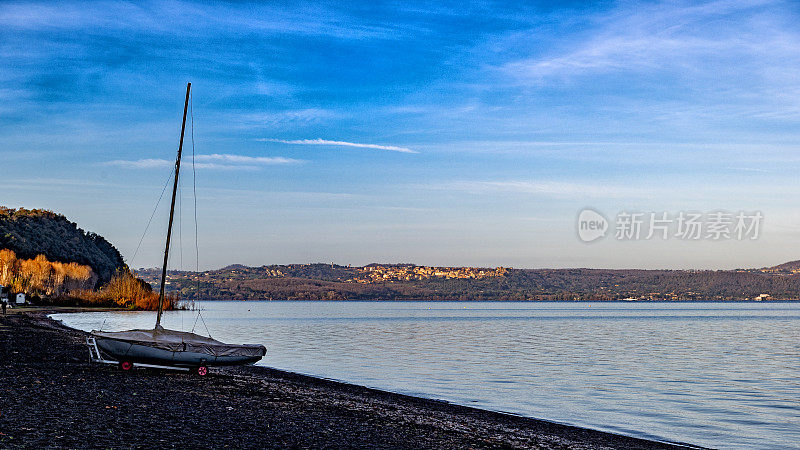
[20, 299]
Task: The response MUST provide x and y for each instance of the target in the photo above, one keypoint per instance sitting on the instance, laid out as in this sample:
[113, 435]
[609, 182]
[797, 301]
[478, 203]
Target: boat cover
[182, 341]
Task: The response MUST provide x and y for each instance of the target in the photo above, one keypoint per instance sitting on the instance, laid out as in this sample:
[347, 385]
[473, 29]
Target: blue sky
[433, 133]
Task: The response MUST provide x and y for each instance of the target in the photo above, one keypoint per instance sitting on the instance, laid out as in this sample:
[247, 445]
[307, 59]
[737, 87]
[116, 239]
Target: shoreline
[281, 408]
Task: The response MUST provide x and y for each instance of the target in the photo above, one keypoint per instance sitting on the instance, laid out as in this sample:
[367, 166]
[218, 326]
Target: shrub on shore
[126, 291]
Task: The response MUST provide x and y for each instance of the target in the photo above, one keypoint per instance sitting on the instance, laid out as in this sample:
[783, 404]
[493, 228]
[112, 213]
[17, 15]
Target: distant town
[381, 273]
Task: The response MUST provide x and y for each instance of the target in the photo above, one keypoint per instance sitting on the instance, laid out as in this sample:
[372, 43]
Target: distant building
[20, 298]
[761, 297]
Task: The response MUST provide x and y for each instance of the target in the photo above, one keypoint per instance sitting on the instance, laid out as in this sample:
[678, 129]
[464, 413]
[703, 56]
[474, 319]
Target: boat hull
[120, 350]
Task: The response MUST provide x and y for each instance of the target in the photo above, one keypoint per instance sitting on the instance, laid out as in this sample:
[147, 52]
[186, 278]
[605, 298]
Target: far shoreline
[422, 300]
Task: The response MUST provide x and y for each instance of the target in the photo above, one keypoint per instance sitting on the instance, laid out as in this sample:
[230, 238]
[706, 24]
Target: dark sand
[52, 396]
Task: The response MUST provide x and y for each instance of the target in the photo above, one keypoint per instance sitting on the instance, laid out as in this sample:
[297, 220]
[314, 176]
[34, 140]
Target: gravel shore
[52, 396]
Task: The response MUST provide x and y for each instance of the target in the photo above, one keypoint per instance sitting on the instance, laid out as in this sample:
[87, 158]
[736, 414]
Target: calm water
[720, 375]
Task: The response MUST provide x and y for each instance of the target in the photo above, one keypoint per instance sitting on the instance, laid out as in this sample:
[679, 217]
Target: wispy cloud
[343, 144]
[55, 182]
[687, 192]
[691, 38]
[249, 194]
[748, 169]
[544, 188]
[156, 17]
[240, 159]
[147, 163]
[213, 161]
[293, 117]
[699, 68]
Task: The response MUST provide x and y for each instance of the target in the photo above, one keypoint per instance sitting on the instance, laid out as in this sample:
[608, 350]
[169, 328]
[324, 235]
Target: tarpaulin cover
[182, 341]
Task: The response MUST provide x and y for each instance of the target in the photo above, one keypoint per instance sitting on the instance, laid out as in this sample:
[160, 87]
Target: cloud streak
[147, 163]
[690, 39]
[240, 159]
[155, 18]
[212, 161]
[392, 148]
[544, 188]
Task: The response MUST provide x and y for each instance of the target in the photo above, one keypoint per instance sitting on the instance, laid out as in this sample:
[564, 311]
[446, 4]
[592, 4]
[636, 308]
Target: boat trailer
[96, 357]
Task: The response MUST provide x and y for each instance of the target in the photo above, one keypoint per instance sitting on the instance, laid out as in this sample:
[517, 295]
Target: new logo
[591, 225]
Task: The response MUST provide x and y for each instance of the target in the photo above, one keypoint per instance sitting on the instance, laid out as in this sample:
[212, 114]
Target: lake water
[711, 374]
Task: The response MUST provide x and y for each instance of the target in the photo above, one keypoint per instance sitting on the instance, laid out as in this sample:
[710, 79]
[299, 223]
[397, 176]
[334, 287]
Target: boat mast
[172, 210]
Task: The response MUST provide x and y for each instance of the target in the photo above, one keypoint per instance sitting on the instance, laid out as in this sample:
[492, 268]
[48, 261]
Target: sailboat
[161, 347]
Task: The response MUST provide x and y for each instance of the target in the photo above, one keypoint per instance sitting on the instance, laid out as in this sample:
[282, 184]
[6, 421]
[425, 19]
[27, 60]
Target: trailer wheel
[125, 366]
[202, 371]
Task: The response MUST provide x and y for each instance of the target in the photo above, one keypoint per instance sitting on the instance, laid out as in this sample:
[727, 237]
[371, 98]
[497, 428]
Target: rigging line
[194, 191]
[200, 316]
[164, 189]
[195, 321]
[204, 324]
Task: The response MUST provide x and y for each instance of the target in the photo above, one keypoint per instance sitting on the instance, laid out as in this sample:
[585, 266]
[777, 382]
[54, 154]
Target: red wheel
[126, 365]
[202, 371]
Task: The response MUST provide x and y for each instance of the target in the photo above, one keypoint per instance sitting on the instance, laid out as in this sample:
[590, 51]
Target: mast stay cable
[141, 239]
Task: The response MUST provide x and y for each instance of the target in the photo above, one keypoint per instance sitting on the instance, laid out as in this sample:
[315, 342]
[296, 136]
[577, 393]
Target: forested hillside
[30, 233]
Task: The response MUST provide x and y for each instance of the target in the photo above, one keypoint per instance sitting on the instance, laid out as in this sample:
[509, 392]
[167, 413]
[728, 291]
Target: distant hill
[791, 266]
[410, 282]
[33, 232]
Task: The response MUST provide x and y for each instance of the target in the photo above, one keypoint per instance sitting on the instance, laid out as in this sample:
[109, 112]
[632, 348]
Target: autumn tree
[8, 261]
